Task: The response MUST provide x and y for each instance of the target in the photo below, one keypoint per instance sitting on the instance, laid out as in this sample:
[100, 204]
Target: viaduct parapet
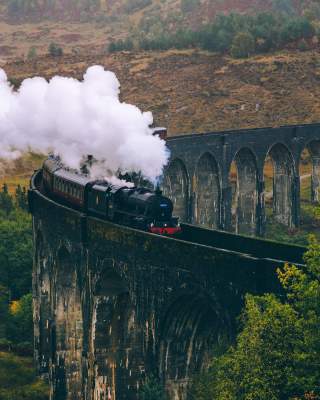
[113, 305]
[198, 177]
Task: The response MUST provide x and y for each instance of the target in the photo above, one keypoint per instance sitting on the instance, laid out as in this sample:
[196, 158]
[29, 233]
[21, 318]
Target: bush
[152, 390]
[284, 6]
[135, 5]
[303, 45]
[18, 380]
[188, 5]
[276, 354]
[120, 45]
[55, 50]
[20, 322]
[243, 45]
[295, 29]
[237, 34]
[32, 53]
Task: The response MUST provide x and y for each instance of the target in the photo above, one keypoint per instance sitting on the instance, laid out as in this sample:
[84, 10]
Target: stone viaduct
[113, 305]
[198, 177]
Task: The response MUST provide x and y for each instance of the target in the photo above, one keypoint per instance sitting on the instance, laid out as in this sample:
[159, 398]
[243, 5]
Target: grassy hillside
[195, 91]
[18, 380]
[89, 26]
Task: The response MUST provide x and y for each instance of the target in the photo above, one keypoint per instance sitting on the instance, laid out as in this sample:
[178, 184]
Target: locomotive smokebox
[161, 132]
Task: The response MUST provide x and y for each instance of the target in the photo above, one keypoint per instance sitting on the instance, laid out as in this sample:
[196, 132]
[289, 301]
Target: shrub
[302, 45]
[276, 353]
[189, 5]
[120, 45]
[152, 390]
[55, 50]
[32, 53]
[135, 5]
[295, 29]
[284, 6]
[243, 45]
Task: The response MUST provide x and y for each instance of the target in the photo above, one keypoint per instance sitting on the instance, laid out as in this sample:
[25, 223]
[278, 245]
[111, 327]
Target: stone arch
[190, 330]
[111, 337]
[207, 192]
[314, 150]
[67, 331]
[43, 283]
[283, 184]
[246, 193]
[176, 187]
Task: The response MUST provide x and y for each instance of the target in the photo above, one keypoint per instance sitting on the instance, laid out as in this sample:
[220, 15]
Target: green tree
[152, 390]
[20, 322]
[32, 53]
[295, 29]
[16, 253]
[4, 305]
[55, 50]
[189, 5]
[284, 6]
[243, 45]
[21, 198]
[277, 353]
[6, 201]
[19, 381]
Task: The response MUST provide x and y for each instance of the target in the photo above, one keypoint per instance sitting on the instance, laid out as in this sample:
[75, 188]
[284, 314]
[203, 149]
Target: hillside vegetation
[29, 26]
[196, 91]
[18, 380]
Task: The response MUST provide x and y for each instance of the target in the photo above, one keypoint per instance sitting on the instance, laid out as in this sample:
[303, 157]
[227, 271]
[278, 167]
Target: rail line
[247, 246]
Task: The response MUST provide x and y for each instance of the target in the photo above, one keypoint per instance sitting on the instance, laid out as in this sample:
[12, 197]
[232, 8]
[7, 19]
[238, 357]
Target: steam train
[136, 207]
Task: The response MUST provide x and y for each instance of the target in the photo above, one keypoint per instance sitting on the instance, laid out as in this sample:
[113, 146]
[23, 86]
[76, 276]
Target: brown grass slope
[89, 26]
[193, 91]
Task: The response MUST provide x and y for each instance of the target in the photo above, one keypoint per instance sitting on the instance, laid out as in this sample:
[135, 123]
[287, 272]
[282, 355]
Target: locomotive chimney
[90, 159]
[158, 191]
[161, 132]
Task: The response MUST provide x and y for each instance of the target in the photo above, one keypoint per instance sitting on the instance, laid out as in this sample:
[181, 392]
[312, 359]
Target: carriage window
[97, 200]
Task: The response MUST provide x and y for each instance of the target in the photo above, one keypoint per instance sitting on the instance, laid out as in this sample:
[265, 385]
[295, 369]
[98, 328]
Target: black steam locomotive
[139, 208]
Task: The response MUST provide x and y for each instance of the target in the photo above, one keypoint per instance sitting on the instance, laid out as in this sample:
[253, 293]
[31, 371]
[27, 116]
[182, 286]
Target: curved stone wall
[206, 159]
[113, 305]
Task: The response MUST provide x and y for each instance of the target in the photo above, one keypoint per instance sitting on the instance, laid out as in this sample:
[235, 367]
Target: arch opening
[305, 173]
[176, 187]
[243, 178]
[279, 174]
[314, 152]
[67, 332]
[207, 193]
[112, 332]
[309, 173]
[189, 336]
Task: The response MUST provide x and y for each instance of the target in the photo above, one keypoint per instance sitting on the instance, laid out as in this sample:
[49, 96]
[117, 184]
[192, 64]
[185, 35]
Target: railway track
[247, 246]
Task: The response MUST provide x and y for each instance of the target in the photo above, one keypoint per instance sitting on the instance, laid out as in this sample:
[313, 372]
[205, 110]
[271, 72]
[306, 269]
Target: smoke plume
[74, 118]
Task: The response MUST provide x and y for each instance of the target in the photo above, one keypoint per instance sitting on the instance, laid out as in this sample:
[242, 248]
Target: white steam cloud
[74, 119]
